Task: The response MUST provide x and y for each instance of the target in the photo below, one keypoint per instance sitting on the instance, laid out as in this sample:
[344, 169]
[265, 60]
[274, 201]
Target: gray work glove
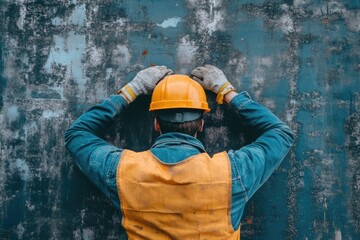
[212, 78]
[144, 82]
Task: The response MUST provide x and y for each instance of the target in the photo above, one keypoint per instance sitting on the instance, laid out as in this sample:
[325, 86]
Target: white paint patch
[208, 21]
[325, 179]
[57, 21]
[29, 206]
[83, 213]
[20, 22]
[217, 22]
[196, 3]
[96, 56]
[269, 103]
[31, 129]
[121, 56]
[77, 234]
[299, 3]
[264, 62]
[13, 114]
[338, 235]
[171, 22]
[335, 7]
[47, 114]
[193, 3]
[68, 51]
[186, 54]
[291, 111]
[261, 66]
[78, 16]
[216, 3]
[286, 24]
[239, 63]
[100, 91]
[284, 7]
[20, 230]
[122, 22]
[87, 234]
[258, 84]
[357, 98]
[1, 119]
[24, 169]
[109, 73]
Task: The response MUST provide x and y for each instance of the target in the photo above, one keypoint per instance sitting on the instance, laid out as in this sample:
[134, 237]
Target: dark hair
[190, 127]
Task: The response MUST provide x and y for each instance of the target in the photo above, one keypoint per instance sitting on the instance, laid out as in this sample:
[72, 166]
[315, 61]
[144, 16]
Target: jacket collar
[175, 138]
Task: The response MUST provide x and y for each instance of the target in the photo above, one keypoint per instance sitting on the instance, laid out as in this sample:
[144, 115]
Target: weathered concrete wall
[300, 58]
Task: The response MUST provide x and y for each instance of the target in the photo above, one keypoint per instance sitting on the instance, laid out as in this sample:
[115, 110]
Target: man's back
[187, 200]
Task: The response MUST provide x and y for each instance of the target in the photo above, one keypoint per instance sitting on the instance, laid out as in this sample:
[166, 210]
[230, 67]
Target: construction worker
[175, 190]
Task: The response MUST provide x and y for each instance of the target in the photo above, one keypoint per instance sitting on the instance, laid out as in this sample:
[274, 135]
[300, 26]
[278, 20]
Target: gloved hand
[144, 82]
[212, 78]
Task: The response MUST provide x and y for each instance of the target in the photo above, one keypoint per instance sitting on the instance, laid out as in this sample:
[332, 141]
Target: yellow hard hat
[178, 91]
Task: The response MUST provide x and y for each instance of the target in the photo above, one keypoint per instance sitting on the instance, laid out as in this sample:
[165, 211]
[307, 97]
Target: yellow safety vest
[187, 200]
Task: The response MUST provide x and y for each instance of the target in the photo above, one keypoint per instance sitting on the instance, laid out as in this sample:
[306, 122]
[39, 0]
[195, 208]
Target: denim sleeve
[96, 158]
[254, 163]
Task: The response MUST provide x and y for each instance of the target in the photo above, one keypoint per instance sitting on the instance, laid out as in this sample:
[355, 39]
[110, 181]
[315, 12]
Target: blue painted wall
[300, 58]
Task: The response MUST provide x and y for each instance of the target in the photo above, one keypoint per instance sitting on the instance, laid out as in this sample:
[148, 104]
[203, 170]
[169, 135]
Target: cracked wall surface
[300, 58]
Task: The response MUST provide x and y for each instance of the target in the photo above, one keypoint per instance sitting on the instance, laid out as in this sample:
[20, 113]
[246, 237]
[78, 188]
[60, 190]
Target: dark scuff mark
[352, 128]
[110, 12]
[2, 77]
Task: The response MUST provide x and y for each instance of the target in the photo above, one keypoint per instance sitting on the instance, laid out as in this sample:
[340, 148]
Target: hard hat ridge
[178, 91]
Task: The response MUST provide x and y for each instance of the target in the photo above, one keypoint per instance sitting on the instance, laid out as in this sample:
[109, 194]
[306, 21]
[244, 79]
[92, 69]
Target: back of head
[179, 104]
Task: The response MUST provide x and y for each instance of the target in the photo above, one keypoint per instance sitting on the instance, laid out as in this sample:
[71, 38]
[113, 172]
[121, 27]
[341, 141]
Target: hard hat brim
[179, 117]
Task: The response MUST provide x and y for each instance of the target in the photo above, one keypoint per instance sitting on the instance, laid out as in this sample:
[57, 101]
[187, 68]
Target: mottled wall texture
[300, 58]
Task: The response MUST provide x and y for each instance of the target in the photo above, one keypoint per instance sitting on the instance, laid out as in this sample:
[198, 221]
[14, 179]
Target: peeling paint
[20, 22]
[338, 235]
[260, 67]
[68, 51]
[78, 16]
[186, 52]
[171, 22]
[121, 56]
[286, 24]
[12, 113]
[52, 114]
[24, 170]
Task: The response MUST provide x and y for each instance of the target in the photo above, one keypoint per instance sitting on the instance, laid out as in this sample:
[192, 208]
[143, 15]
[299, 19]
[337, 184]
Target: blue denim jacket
[251, 165]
